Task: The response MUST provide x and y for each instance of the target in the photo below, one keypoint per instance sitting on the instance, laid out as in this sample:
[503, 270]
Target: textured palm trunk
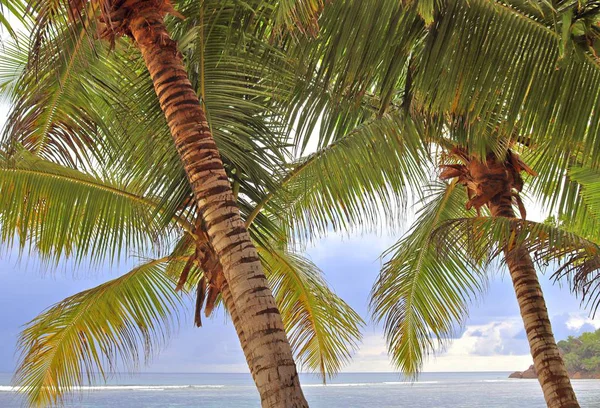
[255, 314]
[547, 361]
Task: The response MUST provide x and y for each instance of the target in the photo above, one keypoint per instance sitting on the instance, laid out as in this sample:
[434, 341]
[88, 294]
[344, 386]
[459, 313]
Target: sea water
[452, 390]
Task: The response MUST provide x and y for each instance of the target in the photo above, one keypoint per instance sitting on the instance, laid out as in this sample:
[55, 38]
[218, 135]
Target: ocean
[456, 390]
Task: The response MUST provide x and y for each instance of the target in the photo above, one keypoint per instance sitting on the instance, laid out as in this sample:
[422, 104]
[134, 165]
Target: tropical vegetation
[483, 90]
[581, 354]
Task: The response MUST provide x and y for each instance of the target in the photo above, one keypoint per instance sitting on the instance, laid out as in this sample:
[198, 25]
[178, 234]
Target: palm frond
[486, 238]
[358, 181]
[323, 330]
[59, 212]
[584, 219]
[12, 10]
[420, 297]
[357, 67]
[89, 334]
[483, 58]
[302, 15]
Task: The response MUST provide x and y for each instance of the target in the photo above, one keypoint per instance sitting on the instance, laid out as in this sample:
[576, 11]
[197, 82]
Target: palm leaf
[484, 55]
[420, 297]
[62, 212]
[299, 15]
[486, 239]
[14, 9]
[89, 334]
[323, 330]
[355, 182]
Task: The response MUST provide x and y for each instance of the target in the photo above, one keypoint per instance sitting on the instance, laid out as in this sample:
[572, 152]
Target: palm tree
[118, 322]
[496, 70]
[497, 183]
[438, 66]
[259, 324]
[103, 146]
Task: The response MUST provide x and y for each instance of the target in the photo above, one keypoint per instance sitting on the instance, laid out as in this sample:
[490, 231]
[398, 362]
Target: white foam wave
[370, 384]
[410, 382]
[339, 385]
[7, 388]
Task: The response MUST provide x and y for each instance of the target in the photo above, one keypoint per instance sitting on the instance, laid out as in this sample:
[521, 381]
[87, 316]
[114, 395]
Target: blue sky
[493, 338]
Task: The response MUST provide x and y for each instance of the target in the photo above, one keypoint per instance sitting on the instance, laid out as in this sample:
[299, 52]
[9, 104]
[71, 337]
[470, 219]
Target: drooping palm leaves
[575, 259]
[361, 68]
[420, 297]
[118, 324]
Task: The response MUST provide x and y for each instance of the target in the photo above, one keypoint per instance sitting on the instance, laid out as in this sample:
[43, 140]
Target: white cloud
[371, 357]
[495, 346]
[491, 347]
[577, 320]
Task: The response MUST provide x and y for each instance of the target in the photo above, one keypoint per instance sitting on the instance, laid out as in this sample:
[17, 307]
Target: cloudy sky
[493, 338]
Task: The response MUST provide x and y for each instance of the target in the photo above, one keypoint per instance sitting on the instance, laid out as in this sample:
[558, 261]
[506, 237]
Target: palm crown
[387, 94]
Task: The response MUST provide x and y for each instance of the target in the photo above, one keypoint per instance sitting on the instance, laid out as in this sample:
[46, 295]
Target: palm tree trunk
[547, 360]
[264, 342]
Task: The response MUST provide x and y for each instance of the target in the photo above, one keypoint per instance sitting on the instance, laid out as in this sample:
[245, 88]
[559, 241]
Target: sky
[492, 339]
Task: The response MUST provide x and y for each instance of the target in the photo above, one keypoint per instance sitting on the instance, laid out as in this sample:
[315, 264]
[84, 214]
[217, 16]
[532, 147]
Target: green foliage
[12, 9]
[60, 212]
[420, 296]
[582, 354]
[356, 182]
[117, 324]
[486, 238]
[383, 83]
[323, 330]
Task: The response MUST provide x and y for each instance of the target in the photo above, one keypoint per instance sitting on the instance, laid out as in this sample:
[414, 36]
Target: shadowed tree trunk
[247, 294]
[497, 184]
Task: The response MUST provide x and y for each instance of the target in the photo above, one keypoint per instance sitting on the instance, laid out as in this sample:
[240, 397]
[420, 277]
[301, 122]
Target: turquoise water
[456, 390]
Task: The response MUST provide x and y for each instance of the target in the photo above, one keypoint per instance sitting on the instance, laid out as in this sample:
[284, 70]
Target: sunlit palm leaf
[358, 181]
[59, 212]
[117, 324]
[11, 10]
[481, 55]
[584, 219]
[323, 330]
[300, 15]
[420, 297]
[355, 68]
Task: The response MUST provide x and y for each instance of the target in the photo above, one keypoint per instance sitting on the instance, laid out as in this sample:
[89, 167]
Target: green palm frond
[420, 297]
[58, 211]
[482, 56]
[357, 67]
[51, 112]
[584, 217]
[589, 179]
[12, 9]
[14, 61]
[123, 321]
[301, 15]
[355, 182]
[486, 238]
[323, 330]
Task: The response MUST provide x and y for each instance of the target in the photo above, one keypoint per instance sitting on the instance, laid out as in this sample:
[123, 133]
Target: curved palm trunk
[256, 316]
[547, 361]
